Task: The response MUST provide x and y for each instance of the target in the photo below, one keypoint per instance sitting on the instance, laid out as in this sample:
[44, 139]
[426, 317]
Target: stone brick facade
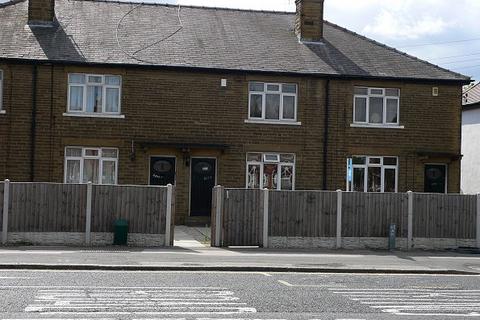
[41, 11]
[185, 106]
[309, 20]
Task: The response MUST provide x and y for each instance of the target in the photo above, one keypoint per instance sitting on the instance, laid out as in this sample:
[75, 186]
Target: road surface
[235, 295]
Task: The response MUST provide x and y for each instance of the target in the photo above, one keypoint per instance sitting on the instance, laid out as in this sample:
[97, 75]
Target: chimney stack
[41, 12]
[309, 20]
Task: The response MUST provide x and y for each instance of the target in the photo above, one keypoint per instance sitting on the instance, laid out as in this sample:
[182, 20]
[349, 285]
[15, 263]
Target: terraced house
[128, 93]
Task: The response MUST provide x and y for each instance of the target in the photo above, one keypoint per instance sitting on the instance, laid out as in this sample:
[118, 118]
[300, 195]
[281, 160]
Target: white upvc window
[1, 91]
[274, 171]
[376, 106]
[273, 101]
[94, 94]
[96, 165]
[372, 174]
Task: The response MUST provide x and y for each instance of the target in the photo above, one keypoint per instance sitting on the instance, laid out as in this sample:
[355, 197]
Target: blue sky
[404, 24]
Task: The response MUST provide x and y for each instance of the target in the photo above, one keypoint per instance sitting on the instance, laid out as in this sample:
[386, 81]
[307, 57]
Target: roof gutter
[236, 71]
[325, 134]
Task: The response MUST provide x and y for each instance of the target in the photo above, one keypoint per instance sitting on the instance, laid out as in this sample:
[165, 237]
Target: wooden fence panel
[47, 207]
[302, 213]
[143, 206]
[2, 184]
[444, 216]
[242, 217]
[370, 214]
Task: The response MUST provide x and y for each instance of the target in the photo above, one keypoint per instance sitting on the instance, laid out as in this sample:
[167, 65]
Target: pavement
[193, 253]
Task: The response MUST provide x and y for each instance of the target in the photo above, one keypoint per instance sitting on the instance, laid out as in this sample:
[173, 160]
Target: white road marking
[137, 300]
[417, 301]
[285, 283]
[288, 284]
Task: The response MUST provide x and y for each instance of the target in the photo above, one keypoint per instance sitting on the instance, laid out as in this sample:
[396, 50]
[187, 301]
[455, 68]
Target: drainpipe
[51, 123]
[34, 123]
[325, 134]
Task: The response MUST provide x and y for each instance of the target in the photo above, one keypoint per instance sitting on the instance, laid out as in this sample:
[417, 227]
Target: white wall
[471, 151]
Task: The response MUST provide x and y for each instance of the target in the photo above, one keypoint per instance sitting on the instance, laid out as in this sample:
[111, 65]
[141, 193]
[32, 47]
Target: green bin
[120, 234]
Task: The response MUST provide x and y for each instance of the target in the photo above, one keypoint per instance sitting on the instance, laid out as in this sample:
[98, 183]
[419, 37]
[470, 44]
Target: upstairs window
[94, 94]
[271, 170]
[96, 165]
[1, 90]
[272, 101]
[376, 106]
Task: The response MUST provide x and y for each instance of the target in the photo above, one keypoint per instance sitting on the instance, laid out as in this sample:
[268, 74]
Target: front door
[203, 177]
[435, 178]
[162, 171]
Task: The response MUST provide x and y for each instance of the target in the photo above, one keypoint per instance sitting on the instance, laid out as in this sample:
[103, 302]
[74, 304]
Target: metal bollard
[392, 237]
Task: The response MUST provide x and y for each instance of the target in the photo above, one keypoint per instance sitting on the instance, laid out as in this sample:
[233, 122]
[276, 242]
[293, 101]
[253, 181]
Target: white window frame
[373, 95]
[279, 168]
[1, 91]
[104, 94]
[367, 165]
[84, 157]
[264, 102]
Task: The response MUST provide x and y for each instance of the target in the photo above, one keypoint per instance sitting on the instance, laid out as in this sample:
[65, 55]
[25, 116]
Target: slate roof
[472, 95]
[93, 31]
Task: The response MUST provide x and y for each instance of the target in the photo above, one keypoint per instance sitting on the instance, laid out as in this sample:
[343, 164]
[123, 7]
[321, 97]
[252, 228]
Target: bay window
[96, 165]
[94, 94]
[271, 170]
[376, 106]
[372, 174]
[272, 101]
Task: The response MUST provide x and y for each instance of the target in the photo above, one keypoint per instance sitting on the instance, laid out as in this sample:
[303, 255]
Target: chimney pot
[41, 12]
[309, 20]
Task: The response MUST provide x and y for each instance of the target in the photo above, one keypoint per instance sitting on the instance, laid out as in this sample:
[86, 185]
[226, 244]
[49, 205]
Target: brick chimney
[41, 12]
[309, 20]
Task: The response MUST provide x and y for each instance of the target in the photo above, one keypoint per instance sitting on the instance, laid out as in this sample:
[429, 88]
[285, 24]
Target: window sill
[286, 123]
[3, 111]
[92, 115]
[372, 126]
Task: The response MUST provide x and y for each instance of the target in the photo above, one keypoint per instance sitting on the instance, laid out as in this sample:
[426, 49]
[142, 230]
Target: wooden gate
[241, 217]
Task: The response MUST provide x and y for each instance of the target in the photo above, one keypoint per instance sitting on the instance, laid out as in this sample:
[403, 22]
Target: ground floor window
[372, 174]
[274, 171]
[96, 165]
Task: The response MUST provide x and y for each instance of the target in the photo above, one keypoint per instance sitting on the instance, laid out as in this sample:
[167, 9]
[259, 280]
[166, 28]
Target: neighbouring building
[129, 93]
[470, 140]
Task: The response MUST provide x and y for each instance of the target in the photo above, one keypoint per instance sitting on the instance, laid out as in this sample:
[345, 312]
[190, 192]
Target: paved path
[206, 258]
[192, 252]
[189, 238]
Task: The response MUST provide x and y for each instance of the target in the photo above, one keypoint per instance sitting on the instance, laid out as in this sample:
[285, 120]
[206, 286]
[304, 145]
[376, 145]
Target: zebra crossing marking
[147, 301]
[417, 301]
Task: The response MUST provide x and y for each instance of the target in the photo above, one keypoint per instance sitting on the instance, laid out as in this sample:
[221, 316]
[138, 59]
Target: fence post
[339, 219]
[6, 199]
[410, 220]
[168, 218]
[88, 222]
[478, 221]
[265, 218]
[218, 215]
